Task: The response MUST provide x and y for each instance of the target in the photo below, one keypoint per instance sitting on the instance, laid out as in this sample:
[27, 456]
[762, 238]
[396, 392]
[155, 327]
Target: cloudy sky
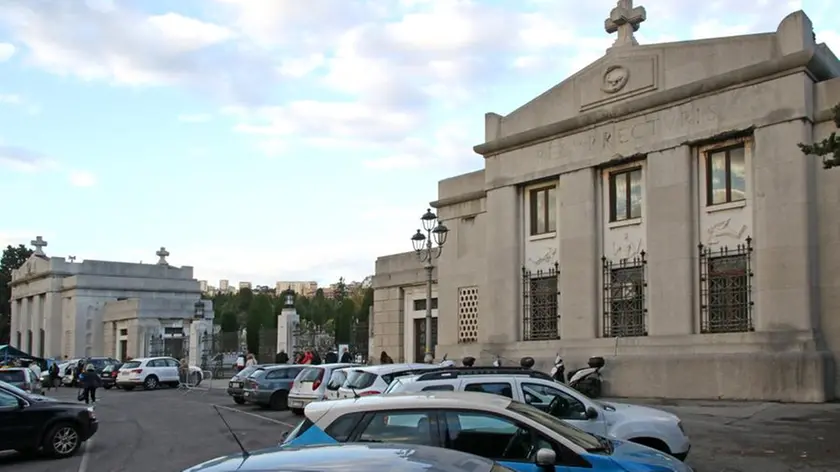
[269, 140]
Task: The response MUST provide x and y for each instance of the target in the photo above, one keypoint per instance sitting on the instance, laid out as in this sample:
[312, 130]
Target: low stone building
[654, 209]
[101, 308]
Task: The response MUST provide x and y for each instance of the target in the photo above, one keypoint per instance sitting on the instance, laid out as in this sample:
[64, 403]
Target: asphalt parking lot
[167, 430]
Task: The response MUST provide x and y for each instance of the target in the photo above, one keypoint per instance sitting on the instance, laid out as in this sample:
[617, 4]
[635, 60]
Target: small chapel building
[63, 308]
[654, 209]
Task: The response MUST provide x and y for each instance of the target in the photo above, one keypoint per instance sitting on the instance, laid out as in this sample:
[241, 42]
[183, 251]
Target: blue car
[352, 458]
[514, 434]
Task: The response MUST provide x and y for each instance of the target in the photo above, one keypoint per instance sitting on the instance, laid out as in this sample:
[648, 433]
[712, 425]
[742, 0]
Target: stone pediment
[32, 267]
[631, 71]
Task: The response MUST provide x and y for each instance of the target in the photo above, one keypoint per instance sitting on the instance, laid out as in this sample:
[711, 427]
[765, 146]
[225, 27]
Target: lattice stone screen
[468, 314]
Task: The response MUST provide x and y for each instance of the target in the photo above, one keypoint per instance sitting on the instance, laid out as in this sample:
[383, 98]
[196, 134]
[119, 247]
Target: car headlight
[91, 413]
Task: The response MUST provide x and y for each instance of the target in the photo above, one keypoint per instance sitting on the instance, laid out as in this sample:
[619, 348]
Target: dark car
[352, 458]
[109, 375]
[269, 387]
[236, 386]
[33, 423]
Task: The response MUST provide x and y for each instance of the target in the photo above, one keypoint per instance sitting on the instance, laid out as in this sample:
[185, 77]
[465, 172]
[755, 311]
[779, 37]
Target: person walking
[346, 358]
[384, 358]
[54, 376]
[252, 361]
[90, 381]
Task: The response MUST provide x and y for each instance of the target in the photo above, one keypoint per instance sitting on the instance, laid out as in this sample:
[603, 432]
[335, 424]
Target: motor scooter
[588, 379]
[558, 372]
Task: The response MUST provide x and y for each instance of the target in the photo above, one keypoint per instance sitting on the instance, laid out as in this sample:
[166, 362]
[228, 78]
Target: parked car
[337, 379]
[236, 387]
[21, 377]
[518, 436]
[312, 385]
[109, 375]
[373, 380]
[352, 458]
[66, 371]
[654, 428]
[151, 372]
[268, 387]
[33, 423]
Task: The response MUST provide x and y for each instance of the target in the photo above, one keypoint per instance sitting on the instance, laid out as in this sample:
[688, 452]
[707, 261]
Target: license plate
[295, 404]
[236, 384]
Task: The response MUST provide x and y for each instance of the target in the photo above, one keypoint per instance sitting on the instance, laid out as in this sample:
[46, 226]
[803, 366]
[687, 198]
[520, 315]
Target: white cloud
[10, 99]
[195, 117]
[25, 160]
[7, 50]
[82, 178]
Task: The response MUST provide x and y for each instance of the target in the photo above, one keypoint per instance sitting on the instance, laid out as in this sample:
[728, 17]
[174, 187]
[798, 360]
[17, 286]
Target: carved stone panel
[617, 79]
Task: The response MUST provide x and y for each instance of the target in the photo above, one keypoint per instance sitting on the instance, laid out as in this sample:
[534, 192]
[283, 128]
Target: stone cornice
[816, 62]
[463, 198]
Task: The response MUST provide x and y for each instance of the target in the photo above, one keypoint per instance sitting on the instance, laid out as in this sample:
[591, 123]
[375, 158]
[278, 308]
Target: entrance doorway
[123, 349]
[174, 347]
[420, 337]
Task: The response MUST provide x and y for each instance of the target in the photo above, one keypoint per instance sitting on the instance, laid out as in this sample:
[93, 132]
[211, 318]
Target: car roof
[334, 365]
[350, 457]
[435, 399]
[381, 369]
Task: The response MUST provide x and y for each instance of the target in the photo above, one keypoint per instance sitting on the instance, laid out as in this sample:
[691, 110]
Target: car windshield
[310, 374]
[131, 365]
[12, 376]
[14, 390]
[244, 373]
[359, 379]
[573, 434]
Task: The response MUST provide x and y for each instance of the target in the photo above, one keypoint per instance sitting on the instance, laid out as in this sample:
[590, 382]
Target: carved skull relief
[615, 78]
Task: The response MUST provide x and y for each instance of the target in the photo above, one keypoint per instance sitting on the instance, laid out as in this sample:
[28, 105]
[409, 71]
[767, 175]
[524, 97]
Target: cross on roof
[625, 20]
[39, 244]
[163, 254]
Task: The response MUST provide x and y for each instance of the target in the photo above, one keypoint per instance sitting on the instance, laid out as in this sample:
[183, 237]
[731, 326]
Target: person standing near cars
[90, 381]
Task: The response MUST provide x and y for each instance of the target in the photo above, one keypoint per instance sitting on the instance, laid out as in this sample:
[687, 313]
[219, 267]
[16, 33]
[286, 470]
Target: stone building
[100, 308]
[654, 209]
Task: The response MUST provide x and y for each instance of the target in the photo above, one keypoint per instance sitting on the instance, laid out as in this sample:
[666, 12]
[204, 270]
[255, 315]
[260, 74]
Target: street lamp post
[428, 247]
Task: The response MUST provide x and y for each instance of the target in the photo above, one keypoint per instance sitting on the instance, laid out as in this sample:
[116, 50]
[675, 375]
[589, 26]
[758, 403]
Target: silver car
[22, 378]
[353, 458]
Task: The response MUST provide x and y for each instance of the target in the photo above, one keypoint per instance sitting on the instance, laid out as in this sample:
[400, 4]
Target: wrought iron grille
[625, 313]
[726, 289]
[540, 296]
[156, 346]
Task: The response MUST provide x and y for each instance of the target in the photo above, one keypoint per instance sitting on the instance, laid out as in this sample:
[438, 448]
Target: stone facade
[677, 229]
[102, 308]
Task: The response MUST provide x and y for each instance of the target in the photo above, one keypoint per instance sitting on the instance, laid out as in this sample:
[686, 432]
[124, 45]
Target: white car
[516, 435]
[312, 384]
[653, 428]
[373, 380]
[151, 372]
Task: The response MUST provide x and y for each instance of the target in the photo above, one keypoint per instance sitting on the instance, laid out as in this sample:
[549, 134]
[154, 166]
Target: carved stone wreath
[615, 78]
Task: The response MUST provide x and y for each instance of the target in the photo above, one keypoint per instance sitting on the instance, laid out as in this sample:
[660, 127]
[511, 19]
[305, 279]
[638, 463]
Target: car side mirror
[21, 403]
[591, 413]
[546, 458]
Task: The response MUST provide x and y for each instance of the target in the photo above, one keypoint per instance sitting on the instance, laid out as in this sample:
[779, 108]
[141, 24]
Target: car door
[398, 426]
[273, 379]
[502, 439]
[14, 428]
[172, 367]
[566, 407]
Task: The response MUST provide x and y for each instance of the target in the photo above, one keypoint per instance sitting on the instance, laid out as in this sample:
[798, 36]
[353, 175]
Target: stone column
[502, 316]
[671, 220]
[109, 340]
[14, 327]
[52, 324]
[579, 258]
[25, 323]
[783, 192]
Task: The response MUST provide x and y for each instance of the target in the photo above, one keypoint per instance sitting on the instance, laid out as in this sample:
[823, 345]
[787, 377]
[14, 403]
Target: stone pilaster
[52, 324]
[25, 323]
[109, 340]
[783, 192]
[578, 225]
[502, 319]
[37, 326]
[671, 216]
[14, 327]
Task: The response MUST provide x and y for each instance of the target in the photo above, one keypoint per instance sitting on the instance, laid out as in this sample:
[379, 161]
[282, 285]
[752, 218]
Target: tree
[260, 314]
[13, 258]
[829, 148]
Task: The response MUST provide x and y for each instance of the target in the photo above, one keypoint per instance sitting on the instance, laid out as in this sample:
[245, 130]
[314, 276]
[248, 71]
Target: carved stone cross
[39, 244]
[162, 254]
[625, 20]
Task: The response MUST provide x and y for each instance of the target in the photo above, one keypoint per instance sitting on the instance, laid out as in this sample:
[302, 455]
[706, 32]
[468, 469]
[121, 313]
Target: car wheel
[239, 400]
[127, 388]
[63, 440]
[653, 443]
[107, 387]
[279, 401]
[297, 411]
[150, 383]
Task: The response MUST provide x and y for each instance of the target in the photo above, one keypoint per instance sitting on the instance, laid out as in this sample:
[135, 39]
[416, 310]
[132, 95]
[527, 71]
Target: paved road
[163, 430]
[166, 430]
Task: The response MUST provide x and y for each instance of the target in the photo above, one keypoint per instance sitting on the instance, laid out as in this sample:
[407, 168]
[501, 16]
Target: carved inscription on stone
[626, 248]
[725, 229]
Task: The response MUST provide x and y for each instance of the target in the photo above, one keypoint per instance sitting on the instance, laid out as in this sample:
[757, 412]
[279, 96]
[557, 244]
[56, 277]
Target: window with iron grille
[540, 311]
[625, 313]
[726, 289]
